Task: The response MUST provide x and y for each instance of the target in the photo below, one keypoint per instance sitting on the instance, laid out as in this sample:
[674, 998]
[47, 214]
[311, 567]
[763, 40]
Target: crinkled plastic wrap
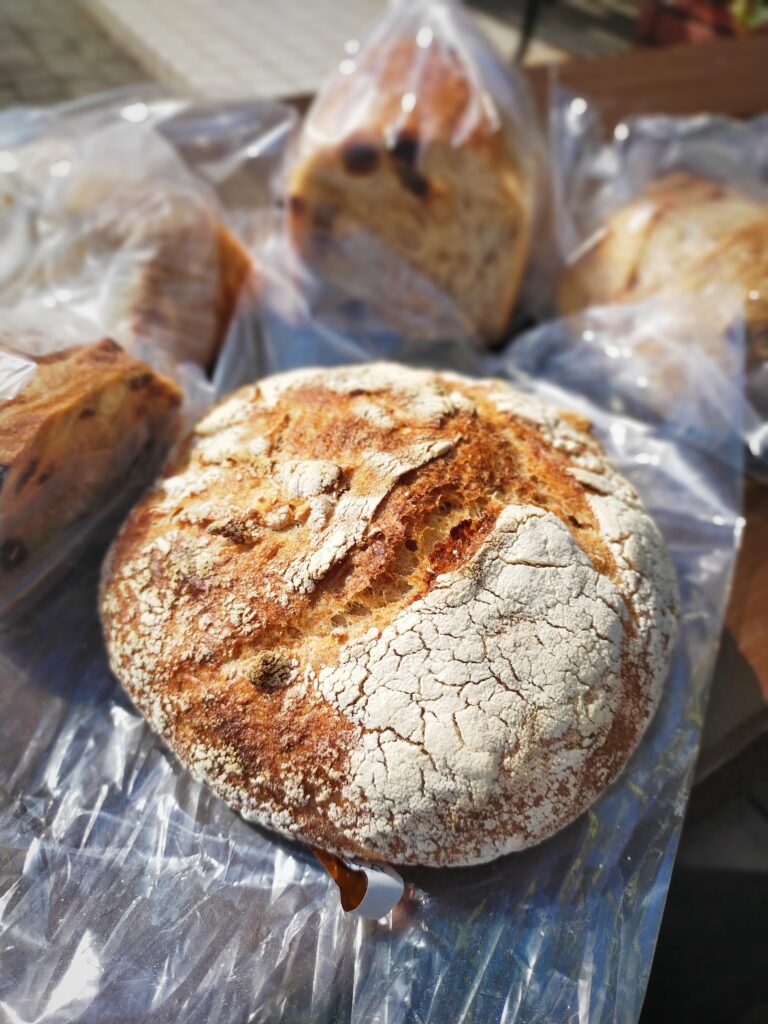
[116, 210]
[222, 142]
[594, 174]
[594, 177]
[113, 226]
[15, 371]
[129, 893]
[419, 168]
[298, 320]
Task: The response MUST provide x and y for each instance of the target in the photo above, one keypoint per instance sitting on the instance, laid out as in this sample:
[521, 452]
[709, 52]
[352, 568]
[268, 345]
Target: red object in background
[685, 21]
[694, 21]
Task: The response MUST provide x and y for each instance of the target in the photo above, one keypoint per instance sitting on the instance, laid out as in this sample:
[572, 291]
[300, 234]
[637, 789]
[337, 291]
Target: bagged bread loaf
[682, 234]
[177, 271]
[111, 225]
[78, 428]
[418, 161]
[395, 614]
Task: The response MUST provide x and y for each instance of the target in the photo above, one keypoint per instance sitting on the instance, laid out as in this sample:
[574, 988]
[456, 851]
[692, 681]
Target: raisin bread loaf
[407, 156]
[88, 421]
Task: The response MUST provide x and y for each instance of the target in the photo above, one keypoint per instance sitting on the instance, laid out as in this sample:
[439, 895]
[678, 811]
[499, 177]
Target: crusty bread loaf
[400, 615]
[437, 182]
[683, 234]
[89, 420]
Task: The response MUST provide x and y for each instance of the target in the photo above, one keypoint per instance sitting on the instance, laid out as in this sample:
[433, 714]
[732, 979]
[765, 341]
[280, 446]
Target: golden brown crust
[87, 421]
[439, 183]
[251, 598]
[684, 234]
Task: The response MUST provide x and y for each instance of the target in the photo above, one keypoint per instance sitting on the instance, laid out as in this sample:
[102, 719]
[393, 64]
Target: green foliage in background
[751, 14]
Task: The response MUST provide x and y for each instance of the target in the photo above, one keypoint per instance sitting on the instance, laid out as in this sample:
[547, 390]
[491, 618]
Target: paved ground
[581, 28]
[52, 50]
[235, 48]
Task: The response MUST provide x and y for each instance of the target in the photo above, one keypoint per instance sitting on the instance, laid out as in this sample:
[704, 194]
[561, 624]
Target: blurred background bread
[140, 252]
[683, 234]
[88, 421]
[180, 281]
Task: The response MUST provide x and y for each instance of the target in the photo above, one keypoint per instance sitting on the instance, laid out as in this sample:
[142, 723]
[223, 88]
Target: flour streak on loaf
[395, 614]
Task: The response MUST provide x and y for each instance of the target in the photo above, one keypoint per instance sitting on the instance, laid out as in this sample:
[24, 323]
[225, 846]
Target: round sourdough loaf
[396, 614]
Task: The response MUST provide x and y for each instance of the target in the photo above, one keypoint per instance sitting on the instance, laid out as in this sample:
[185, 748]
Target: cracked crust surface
[395, 614]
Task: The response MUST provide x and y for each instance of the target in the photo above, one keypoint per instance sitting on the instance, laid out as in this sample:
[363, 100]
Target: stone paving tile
[53, 50]
[257, 47]
[232, 48]
[584, 28]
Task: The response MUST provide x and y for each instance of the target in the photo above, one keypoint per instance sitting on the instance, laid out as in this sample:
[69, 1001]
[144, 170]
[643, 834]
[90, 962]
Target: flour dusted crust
[395, 614]
[438, 184]
[684, 234]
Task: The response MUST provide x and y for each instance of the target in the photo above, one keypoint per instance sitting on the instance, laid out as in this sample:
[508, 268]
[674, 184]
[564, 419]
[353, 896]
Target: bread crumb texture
[89, 423]
[439, 192]
[395, 614]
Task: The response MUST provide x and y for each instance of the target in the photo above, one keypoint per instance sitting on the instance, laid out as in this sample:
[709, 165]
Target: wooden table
[728, 76]
[738, 708]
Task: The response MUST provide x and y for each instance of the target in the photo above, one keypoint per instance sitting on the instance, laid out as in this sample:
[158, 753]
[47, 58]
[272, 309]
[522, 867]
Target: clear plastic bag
[295, 320]
[122, 209]
[414, 184]
[129, 893]
[691, 195]
[221, 142]
[594, 174]
[118, 230]
[15, 371]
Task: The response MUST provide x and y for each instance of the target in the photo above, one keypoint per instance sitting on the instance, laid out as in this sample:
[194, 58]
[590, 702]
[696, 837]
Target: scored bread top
[396, 614]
